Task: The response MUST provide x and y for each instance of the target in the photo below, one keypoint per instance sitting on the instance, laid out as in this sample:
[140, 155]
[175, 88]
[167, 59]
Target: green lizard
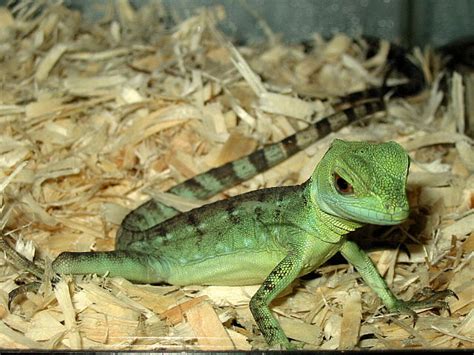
[271, 235]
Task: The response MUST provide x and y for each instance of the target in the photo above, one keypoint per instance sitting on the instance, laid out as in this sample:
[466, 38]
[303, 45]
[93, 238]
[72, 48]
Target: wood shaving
[97, 118]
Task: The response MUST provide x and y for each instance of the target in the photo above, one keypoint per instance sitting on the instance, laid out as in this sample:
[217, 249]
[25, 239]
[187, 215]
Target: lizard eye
[342, 185]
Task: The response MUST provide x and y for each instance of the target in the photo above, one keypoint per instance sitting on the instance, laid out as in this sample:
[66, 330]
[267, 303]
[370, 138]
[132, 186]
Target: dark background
[409, 22]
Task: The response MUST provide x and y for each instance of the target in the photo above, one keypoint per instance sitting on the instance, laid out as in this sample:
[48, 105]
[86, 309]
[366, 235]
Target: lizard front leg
[282, 275]
[361, 261]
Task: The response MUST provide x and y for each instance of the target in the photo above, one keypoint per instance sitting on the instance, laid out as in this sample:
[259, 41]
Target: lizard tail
[216, 180]
[219, 179]
[223, 177]
[133, 266]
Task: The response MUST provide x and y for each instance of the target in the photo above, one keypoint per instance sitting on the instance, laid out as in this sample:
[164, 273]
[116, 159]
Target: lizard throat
[326, 222]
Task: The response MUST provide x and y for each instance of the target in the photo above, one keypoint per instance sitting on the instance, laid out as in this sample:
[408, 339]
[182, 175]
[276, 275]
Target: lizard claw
[403, 307]
[436, 295]
[28, 287]
[21, 290]
[426, 298]
[21, 262]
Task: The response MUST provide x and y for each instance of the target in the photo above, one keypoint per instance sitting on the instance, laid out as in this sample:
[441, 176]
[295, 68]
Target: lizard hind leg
[131, 265]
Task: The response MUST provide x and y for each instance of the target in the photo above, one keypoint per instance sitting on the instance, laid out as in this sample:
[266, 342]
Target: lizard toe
[427, 298]
[21, 290]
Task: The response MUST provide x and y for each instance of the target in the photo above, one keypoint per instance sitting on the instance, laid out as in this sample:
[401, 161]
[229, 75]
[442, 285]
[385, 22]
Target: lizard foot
[284, 346]
[21, 290]
[426, 298]
[33, 286]
[23, 264]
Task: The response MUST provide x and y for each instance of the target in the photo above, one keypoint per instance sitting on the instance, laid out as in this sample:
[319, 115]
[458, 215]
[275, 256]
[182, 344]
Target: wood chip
[148, 296]
[96, 119]
[298, 330]
[49, 61]
[175, 315]
[460, 228]
[44, 327]
[284, 105]
[236, 146]
[229, 295]
[16, 340]
[210, 333]
[351, 317]
[65, 303]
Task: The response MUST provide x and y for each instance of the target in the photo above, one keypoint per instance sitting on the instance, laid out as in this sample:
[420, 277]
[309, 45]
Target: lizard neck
[326, 222]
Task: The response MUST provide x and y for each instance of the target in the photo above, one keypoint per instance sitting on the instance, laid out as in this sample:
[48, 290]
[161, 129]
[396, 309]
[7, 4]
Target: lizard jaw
[365, 215]
[375, 216]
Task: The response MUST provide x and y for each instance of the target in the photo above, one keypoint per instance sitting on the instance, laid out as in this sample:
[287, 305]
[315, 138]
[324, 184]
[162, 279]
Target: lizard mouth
[397, 217]
[377, 217]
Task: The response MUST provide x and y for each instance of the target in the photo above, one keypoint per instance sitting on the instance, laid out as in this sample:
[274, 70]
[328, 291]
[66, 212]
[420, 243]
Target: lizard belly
[236, 269]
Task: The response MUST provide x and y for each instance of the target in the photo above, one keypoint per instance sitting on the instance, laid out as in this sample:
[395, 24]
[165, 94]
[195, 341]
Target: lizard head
[363, 182]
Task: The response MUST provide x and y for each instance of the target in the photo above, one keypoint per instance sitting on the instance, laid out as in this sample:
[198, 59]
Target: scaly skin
[270, 236]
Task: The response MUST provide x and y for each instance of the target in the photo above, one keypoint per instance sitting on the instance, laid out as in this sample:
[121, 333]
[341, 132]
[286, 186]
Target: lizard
[271, 236]
[294, 228]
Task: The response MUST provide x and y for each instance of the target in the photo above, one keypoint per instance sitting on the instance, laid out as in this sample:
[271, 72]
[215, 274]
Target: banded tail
[219, 179]
[216, 180]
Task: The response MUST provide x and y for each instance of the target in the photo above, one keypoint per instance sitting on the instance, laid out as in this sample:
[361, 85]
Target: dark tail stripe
[189, 188]
[259, 160]
[290, 145]
[323, 127]
[226, 175]
[373, 107]
[218, 179]
[351, 114]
